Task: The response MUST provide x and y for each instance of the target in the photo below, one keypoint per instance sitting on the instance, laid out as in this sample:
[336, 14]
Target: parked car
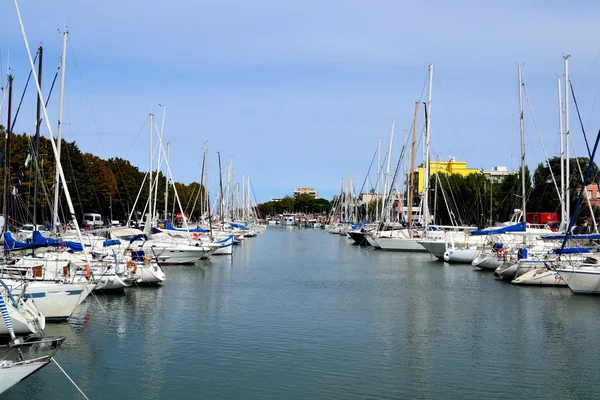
[25, 234]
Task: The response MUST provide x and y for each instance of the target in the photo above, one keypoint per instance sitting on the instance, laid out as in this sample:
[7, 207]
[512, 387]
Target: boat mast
[147, 228]
[63, 66]
[6, 200]
[567, 137]
[563, 211]
[38, 120]
[412, 167]
[387, 170]
[167, 180]
[425, 200]
[220, 189]
[522, 133]
[378, 179]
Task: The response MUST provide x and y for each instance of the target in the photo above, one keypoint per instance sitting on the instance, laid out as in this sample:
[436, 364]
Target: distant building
[450, 167]
[496, 174]
[276, 199]
[592, 193]
[309, 191]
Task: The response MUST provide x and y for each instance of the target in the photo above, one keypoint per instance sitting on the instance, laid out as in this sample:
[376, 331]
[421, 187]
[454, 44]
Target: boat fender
[88, 272]
[500, 253]
[131, 266]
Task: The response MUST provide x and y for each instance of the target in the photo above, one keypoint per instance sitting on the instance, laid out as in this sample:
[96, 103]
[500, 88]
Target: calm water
[302, 314]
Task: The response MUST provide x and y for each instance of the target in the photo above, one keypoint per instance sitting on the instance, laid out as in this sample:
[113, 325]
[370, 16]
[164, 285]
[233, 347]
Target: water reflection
[300, 314]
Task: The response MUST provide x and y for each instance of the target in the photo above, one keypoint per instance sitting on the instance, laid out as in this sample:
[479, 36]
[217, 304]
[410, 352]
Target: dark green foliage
[108, 187]
[298, 203]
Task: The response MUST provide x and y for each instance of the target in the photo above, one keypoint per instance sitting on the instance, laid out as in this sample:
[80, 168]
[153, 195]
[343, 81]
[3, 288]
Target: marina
[457, 258]
[335, 321]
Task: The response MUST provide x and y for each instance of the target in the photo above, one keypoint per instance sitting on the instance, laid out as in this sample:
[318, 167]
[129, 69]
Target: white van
[92, 220]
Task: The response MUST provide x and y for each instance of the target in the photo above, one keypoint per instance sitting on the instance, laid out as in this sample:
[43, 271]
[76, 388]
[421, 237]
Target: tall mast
[412, 167]
[425, 195]
[522, 133]
[6, 200]
[387, 169]
[63, 66]
[38, 120]
[167, 180]
[220, 188]
[378, 179]
[202, 186]
[150, 175]
[563, 211]
[567, 137]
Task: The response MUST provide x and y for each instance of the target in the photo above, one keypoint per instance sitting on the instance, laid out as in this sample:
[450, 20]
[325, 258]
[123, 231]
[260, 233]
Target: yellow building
[450, 167]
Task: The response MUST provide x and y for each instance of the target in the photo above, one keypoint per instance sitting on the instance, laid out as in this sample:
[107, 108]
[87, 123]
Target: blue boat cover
[111, 242]
[38, 241]
[170, 227]
[520, 227]
[571, 250]
[239, 226]
[141, 236]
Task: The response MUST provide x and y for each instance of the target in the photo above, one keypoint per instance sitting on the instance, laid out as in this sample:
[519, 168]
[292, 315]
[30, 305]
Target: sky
[297, 93]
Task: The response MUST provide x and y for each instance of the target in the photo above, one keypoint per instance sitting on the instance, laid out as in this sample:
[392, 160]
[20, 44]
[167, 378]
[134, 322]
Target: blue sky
[296, 93]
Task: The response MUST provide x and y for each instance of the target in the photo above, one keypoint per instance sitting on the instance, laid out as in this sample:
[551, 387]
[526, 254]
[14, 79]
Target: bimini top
[38, 241]
[170, 227]
[520, 227]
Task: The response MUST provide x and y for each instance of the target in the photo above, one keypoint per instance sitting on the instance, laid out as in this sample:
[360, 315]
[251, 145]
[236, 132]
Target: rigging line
[74, 180]
[22, 96]
[583, 130]
[68, 377]
[86, 95]
[120, 172]
[437, 77]
[541, 141]
[587, 173]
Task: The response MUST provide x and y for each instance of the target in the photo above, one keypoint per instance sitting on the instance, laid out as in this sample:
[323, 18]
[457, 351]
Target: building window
[589, 194]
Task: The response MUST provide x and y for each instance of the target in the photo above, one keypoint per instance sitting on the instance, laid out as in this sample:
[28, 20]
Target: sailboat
[21, 357]
[509, 241]
[407, 239]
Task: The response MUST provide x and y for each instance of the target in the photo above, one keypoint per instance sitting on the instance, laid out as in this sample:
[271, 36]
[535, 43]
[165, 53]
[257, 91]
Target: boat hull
[540, 277]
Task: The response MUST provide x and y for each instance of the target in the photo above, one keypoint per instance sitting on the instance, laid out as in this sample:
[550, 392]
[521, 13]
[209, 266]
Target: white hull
[149, 274]
[487, 261]
[226, 246]
[540, 277]
[54, 300]
[397, 244]
[437, 248]
[584, 279]
[372, 241]
[111, 281]
[10, 375]
[463, 256]
[26, 319]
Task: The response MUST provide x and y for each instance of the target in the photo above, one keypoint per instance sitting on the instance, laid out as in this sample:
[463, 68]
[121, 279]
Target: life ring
[501, 254]
[131, 266]
[88, 272]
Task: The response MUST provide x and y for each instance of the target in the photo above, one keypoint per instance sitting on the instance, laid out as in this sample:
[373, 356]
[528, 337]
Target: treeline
[108, 187]
[474, 199]
[299, 203]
